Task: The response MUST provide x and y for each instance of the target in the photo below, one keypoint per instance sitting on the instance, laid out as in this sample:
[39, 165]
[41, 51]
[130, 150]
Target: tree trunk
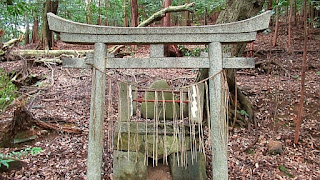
[107, 9]
[295, 13]
[290, 26]
[88, 16]
[205, 16]
[166, 23]
[166, 19]
[46, 35]
[35, 29]
[235, 11]
[186, 21]
[99, 12]
[125, 16]
[312, 22]
[134, 13]
[275, 35]
[27, 34]
[270, 5]
[303, 76]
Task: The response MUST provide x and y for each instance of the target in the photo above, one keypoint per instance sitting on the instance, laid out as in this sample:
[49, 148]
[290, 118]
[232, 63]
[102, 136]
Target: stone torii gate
[214, 36]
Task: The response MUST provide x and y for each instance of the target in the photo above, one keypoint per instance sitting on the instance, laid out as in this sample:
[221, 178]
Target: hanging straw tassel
[193, 123]
[189, 123]
[208, 115]
[109, 115]
[130, 112]
[137, 130]
[165, 158]
[119, 123]
[200, 124]
[183, 149]
[146, 135]
[226, 102]
[156, 126]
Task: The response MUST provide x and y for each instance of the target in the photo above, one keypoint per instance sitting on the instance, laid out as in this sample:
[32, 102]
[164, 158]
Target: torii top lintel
[241, 31]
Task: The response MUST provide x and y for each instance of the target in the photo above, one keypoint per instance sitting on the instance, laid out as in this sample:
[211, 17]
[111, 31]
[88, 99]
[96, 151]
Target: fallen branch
[7, 46]
[115, 49]
[160, 14]
[52, 61]
[56, 127]
[11, 43]
[51, 53]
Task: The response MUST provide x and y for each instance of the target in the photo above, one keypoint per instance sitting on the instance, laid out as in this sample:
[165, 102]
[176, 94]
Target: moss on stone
[165, 145]
[171, 111]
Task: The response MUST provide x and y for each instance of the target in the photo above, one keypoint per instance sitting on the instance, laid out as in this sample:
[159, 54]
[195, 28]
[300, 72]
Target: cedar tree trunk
[35, 30]
[46, 35]
[134, 13]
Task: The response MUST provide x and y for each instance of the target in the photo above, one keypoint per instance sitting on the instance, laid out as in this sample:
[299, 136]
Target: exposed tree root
[23, 121]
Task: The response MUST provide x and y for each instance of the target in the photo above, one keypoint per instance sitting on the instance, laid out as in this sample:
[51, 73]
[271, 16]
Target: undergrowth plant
[190, 53]
[8, 91]
[5, 159]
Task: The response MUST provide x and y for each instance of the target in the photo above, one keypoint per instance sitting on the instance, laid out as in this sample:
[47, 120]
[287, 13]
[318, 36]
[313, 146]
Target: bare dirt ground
[275, 95]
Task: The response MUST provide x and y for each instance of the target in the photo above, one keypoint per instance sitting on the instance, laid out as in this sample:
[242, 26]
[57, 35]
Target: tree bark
[134, 13]
[295, 14]
[312, 16]
[47, 35]
[270, 5]
[303, 76]
[166, 23]
[275, 35]
[107, 9]
[88, 16]
[99, 12]
[27, 33]
[186, 21]
[290, 26]
[35, 29]
[125, 16]
[166, 19]
[235, 11]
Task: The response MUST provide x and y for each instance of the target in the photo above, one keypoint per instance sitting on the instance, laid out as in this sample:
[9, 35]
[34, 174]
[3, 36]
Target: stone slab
[195, 170]
[128, 168]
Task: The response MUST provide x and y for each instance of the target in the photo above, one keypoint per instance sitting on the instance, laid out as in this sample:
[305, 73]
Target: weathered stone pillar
[217, 114]
[97, 111]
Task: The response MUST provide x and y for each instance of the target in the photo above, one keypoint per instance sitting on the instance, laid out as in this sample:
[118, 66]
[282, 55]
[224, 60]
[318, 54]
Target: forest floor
[274, 93]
